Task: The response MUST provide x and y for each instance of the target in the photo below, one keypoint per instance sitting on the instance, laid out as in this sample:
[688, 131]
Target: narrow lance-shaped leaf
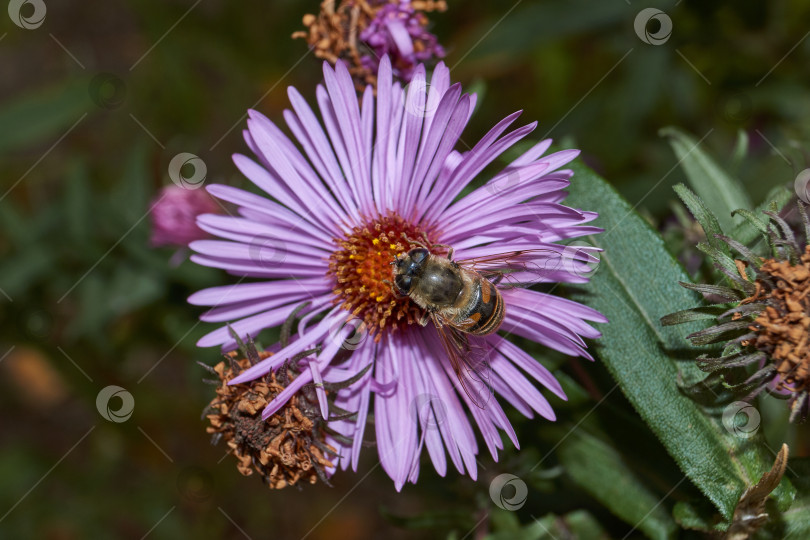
[721, 193]
[756, 223]
[600, 470]
[43, 115]
[634, 286]
[740, 147]
[704, 216]
[708, 313]
[576, 524]
[795, 521]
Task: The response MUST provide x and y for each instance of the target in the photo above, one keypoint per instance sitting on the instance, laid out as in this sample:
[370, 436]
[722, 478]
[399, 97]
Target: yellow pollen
[361, 268]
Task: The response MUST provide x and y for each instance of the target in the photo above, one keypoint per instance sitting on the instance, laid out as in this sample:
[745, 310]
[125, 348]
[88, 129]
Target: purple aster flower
[346, 200]
[400, 31]
[360, 32]
[173, 214]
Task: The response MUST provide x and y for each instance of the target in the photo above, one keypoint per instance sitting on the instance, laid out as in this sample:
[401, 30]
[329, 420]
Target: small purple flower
[174, 212]
[322, 247]
[400, 31]
[360, 32]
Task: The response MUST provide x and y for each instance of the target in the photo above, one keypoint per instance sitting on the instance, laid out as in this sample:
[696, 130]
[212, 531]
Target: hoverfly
[461, 299]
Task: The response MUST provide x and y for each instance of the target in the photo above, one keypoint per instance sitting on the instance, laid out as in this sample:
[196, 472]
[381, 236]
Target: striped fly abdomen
[484, 313]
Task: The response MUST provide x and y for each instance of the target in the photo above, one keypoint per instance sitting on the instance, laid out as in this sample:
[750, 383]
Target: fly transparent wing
[469, 361]
[528, 267]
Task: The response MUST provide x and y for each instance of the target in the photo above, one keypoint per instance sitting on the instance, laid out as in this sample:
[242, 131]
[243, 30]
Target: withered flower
[767, 324]
[360, 32]
[293, 444]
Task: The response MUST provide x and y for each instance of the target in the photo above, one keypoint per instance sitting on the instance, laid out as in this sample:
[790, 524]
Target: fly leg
[428, 245]
[416, 242]
[394, 290]
[427, 316]
[446, 247]
[449, 249]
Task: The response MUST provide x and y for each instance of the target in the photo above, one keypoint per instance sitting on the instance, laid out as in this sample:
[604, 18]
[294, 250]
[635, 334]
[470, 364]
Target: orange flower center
[364, 276]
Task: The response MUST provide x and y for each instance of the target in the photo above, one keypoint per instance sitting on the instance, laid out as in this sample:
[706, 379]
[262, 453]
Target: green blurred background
[96, 101]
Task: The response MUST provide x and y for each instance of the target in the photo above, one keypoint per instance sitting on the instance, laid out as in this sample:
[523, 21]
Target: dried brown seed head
[287, 448]
[782, 328]
[335, 34]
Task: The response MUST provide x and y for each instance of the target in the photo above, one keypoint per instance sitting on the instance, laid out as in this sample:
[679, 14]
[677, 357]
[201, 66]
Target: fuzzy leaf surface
[635, 285]
[721, 193]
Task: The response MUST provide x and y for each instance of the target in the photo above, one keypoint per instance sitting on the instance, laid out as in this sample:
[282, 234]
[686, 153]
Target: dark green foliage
[81, 288]
[636, 278]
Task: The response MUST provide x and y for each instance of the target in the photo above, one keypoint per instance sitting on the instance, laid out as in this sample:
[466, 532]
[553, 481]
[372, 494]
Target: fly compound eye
[403, 283]
[418, 255]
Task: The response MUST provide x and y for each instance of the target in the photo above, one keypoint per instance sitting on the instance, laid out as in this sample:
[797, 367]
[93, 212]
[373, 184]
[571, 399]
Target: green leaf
[697, 515]
[721, 259]
[535, 23]
[21, 272]
[131, 288]
[600, 470]
[634, 286]
[430, 520]
[749, 230]
[726, 293]
[796, 520]
[43, 114]
[131, 195]
[15, 228]
[756, 222]
[577, 524]
[77, 202]
[721, 193]
[740, 147]
[703, 216]
[706, 313]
